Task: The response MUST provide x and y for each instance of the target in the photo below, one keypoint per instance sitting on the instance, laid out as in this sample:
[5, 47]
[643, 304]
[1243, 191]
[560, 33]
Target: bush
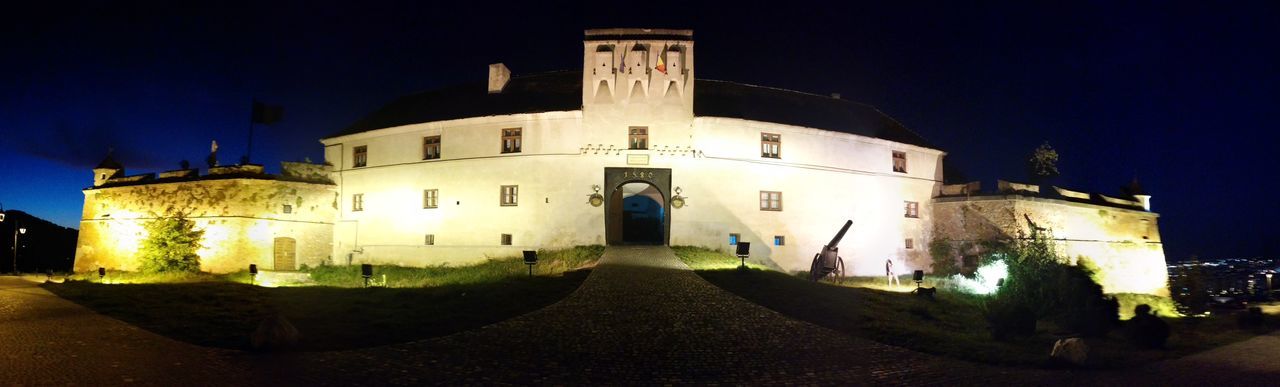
[170, 246]
[944, 258]
[1160, 306]
[1146, 330]
[1040, 281]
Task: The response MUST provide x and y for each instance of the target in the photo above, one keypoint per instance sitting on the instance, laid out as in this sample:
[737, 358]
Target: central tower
[635, 77]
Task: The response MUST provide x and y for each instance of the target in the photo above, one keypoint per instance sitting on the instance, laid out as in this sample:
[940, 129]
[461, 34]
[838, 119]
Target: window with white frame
[430, 198]
[510, 195]
[770, 201]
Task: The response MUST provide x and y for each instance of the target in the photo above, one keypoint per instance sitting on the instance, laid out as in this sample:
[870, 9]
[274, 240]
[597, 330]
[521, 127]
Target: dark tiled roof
[109, 163]
[562, 91]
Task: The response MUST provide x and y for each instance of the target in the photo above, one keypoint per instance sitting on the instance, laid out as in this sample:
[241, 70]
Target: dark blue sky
[1180, 95]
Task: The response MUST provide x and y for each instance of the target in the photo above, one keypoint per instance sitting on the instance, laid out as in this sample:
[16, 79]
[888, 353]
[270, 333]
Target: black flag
[266, 114]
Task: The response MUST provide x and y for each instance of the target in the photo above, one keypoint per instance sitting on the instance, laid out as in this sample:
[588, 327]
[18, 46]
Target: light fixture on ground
[530, 259]
[102, 273]
[366, 271]
[253, 273]
[744, 250]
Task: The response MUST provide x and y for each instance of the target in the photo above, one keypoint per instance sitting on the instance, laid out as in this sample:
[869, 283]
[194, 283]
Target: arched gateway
[637, 206]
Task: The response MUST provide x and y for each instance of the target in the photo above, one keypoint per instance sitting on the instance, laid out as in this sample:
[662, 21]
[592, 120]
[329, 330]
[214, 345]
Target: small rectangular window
[900, 161]
[771, 145]
[638, 137]
[779, 240]
[430, 198]
[911, 244]
[429, 240]
[431, 147]
[511, 140]
[510, 195]
[733, 239]
[357, 202]
[913, 209]
[360, 157]
[506, 239]
[770, 201]
[288, 209]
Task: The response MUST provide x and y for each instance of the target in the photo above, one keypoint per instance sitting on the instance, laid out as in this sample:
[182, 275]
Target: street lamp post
[16, 230]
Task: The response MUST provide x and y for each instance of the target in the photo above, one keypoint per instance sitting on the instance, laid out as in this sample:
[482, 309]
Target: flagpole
[249, 151]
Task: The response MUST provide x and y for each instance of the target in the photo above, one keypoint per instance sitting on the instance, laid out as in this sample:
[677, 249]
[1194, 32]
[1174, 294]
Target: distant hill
[45, 246]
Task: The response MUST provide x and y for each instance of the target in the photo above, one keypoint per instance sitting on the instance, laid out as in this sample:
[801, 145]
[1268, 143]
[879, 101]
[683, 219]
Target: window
[638, 137]
[733, 239]
[911, 244]
[511, 140]
[779, 240]
[900, 161]
[431, 147]
[430, 198]
[510, 195]
[357, 202]
[288, 209]
[770, 201]
[429, 240]
[361, 157]
[771, 145]
[913, 210]
[506, 239]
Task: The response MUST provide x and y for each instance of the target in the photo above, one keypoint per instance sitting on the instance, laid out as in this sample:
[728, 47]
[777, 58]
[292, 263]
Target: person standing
[891, 277]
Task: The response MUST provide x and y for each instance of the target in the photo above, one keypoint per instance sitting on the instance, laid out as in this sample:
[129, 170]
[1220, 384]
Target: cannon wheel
[838, 274]
[815, 269]
[816, 274]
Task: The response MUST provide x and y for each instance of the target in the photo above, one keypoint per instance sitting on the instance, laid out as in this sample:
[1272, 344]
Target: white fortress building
[632, 149]
[464, 172]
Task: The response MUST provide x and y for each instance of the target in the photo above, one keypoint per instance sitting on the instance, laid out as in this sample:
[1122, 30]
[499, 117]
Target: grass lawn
[220, 311]
[952, 325]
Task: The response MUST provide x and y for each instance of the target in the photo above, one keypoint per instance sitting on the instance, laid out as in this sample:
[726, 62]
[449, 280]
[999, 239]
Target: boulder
[274, 333]
[1073, 351]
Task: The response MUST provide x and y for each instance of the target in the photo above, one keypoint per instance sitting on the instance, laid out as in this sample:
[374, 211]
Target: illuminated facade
[460, 174]
[632, 149]
[248, 217]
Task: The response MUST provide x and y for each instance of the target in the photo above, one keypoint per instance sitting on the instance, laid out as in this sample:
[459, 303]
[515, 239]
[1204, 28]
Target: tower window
[511, 140]
[360, 157]
[357, 202]
[431, 147]
[911, 244]
[288, 209]
[638, 137]
[733, 239]
[912, 209]
[771, 145]
[779, 240]
[506, 239]
[770, 201]
[429, 240]
[430, 198]
[510, 195]
[900, 161]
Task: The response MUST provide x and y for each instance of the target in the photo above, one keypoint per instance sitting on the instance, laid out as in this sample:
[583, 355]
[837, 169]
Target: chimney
[1145, 200]
[498, 77]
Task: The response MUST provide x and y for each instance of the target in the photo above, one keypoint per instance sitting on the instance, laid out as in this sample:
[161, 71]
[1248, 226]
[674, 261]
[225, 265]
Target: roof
[562, 91]
[109, 163]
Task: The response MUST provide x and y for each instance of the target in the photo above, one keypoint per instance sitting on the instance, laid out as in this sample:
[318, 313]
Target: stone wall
[241, 219]
[1124, 243]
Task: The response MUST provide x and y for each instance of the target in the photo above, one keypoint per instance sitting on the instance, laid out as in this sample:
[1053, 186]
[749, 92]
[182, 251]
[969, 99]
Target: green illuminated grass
[952, 325]
[220, 311]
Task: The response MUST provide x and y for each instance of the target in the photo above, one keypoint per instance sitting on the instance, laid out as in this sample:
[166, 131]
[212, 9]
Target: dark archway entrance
[637, 206]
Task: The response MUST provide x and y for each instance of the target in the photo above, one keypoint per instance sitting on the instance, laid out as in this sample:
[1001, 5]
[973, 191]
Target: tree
[170, 246]
[1043, 163]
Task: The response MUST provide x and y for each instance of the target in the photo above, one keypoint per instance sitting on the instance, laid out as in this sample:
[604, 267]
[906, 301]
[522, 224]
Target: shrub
[1146, 330]
[1040, 281]
[1160, 306]
[170, 246]
[944, 258]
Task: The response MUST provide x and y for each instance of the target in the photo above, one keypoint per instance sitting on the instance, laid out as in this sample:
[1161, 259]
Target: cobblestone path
[46, 340]
[643, 317]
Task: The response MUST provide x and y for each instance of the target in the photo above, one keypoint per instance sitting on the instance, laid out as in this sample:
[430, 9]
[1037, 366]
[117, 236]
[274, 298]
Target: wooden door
[286, 254]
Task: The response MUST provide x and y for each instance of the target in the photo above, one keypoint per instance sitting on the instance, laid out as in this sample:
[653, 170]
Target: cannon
[828, 261]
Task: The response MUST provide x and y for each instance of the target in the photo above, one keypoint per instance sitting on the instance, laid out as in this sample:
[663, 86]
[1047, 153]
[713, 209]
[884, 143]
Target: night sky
[1180, 96]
